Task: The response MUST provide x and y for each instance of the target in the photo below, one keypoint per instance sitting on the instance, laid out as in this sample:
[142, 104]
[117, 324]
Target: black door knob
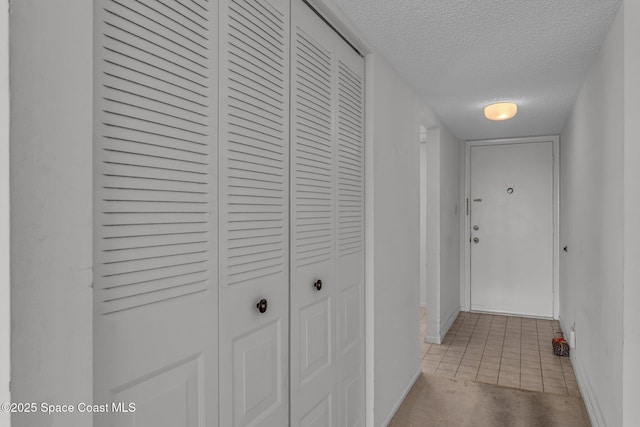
[317, 284]
[262, 305]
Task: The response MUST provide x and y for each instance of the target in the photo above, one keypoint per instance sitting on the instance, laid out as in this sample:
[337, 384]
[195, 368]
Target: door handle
[262, 305]
[476, 227]
[476, 240]
[317, 284]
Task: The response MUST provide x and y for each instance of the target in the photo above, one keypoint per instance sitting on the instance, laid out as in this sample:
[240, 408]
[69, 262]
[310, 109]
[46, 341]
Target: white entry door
[511, 199]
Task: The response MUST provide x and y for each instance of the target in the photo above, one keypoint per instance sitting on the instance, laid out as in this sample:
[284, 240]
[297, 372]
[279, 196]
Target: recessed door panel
[319, 416]
[353, 398]
[256, 387]
[351, 317]
[315, 339]
[170, 396]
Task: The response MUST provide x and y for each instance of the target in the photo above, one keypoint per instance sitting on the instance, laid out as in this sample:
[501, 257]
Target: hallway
[219, 211]
[493, 370]
[443, 402]
[503, 350]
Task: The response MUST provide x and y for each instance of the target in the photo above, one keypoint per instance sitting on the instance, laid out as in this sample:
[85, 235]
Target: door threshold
[508, 314]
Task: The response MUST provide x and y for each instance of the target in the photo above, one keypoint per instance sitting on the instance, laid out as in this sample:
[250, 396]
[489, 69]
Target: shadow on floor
[442, 402]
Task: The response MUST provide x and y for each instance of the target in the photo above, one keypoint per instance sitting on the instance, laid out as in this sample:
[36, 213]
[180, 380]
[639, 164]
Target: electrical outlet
[572, 339]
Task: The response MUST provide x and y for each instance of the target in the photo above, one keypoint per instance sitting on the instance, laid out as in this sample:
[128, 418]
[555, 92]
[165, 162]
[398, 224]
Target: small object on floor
[560, 347]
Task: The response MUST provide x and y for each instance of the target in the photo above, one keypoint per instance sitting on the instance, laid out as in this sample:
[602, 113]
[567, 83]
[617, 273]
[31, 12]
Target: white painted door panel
[350, 237]
[313, 310]
[512, 206]
[155, 220]
[254, 205]
[327, 351]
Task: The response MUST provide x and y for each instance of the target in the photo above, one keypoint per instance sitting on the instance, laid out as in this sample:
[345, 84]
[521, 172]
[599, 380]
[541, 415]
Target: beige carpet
[442, 402]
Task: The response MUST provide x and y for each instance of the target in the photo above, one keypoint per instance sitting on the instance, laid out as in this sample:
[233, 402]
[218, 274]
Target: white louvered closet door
[327, 229]
[254, 220]
[350, 237]
[313, 182]
[155, 212]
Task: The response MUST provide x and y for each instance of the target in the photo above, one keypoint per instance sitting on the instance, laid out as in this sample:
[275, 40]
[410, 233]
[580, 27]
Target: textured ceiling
[460, 55]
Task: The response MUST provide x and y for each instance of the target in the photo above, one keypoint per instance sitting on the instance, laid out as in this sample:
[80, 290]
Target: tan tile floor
[504, 350]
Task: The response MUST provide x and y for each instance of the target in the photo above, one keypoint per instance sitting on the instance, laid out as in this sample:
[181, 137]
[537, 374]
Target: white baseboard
[588, 395]
[446, 325]
[444, 328]
[399, 402]
[432, 340]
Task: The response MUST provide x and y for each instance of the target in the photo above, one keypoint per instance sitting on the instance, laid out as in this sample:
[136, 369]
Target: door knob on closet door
[317, 284]
[262, 305]
[476, 240]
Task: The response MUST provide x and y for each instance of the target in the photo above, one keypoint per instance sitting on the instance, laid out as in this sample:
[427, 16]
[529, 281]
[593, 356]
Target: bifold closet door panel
[254, 212]
[313, 237]
[155, 212]
[350, 237]
[327, 226]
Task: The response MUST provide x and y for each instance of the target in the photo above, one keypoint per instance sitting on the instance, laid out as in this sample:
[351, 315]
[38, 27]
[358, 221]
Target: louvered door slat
[257, 166]
[249, 13]
[350, 164]
[154, 33]
[152, 86]
[126, 66]
[156, 210]
[150, 48]
[156, 251]
[146, 99]
[150, 133]
[150, 15]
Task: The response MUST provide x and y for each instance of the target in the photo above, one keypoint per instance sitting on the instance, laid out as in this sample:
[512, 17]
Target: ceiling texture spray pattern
[460, 55]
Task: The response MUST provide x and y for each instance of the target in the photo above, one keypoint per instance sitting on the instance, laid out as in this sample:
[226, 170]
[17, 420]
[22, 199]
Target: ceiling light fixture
[500, 111]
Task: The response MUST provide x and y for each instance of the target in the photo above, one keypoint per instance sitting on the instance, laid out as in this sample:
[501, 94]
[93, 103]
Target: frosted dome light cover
[500, 111]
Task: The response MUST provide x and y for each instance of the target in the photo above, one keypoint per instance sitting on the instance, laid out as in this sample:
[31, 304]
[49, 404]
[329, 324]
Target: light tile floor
[504, 350]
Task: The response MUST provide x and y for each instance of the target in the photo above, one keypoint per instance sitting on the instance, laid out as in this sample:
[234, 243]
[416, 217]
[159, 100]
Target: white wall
[394, 115]
[631, 319]
[5, 338]
[423, 216]
[433, 228]
[591, 224]
[51, 206]
[450, 166]
[443, 231]
[600, 222]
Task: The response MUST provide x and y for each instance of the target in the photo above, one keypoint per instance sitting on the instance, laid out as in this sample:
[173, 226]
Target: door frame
[465, 233]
